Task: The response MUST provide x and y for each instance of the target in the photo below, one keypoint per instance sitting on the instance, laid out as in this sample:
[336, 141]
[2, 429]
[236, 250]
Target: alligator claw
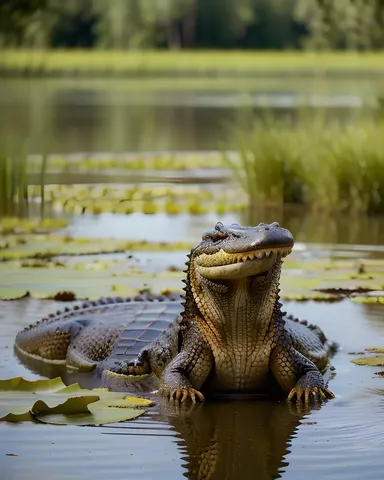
[183, 394]
[135, 367]
[315, 393]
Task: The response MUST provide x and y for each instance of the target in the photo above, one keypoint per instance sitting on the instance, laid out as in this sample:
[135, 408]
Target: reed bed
[14, 197]
[312, 161]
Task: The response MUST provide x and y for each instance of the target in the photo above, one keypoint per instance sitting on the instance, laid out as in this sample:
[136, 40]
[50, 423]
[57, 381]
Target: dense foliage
[173, 24]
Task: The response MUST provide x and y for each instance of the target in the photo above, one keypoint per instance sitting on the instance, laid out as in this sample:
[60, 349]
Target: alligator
[227, 333]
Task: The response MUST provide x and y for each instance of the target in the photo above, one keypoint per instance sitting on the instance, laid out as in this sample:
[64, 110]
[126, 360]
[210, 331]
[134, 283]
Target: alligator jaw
[231, 266]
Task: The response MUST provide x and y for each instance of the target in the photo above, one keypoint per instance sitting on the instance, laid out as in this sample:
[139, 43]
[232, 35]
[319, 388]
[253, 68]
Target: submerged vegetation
[312, 161]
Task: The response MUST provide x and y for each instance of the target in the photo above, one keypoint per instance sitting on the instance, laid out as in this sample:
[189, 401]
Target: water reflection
[350, 232]
[65, 116]
[235, 439]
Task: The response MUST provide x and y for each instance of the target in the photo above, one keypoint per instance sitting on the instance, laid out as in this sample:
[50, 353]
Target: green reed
[13, 186]
[312, 161]
[14, 181]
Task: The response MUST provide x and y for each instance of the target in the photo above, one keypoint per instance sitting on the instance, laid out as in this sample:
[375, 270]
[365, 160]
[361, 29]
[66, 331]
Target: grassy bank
[68, 62]
[313, 163]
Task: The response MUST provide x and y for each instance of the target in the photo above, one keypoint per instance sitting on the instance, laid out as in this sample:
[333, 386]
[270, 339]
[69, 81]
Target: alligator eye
[219, 227]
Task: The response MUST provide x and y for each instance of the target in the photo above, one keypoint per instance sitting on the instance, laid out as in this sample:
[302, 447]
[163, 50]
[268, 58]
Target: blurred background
[195, 110]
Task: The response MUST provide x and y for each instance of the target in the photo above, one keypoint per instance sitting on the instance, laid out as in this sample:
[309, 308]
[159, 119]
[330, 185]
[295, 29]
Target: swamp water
[232, 438]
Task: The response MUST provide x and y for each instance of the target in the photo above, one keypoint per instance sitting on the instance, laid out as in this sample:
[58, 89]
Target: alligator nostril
[266, 228]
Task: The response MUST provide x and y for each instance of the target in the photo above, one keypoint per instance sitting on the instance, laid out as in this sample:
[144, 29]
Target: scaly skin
[231, 336]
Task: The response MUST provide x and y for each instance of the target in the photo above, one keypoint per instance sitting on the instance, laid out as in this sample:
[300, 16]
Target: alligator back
[96, 331]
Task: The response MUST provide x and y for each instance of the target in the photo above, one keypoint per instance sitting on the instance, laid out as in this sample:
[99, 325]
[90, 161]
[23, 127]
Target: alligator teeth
[267, 253]
[245, 258]
[260, 255]
[251, 256]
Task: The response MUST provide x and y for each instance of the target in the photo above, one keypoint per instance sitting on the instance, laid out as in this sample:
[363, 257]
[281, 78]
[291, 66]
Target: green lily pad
[50, 401]
[45, 247]
[375, 350]
[371, 360]
[374, 361]
[11, 225]
[20, 384]
[9, 294]
[98, 416]
[369, 299]
[320, 280]
[101, 412]
[24, 406]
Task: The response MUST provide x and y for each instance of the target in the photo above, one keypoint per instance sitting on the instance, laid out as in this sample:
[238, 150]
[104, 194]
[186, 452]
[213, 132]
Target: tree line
[177, 24]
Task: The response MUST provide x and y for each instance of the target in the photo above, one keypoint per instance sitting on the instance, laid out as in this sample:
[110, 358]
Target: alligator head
[234, 252]
[233, 278]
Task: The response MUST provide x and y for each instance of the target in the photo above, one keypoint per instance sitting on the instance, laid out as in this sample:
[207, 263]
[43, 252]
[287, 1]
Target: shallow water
[326, 231]
[247, 438]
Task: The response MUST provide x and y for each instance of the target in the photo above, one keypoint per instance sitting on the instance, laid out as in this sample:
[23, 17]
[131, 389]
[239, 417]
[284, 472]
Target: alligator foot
[182, 394]
[315, 393]
[135, 367]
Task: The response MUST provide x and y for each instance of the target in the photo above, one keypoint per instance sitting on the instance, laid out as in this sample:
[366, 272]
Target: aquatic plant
[312, 161]
[15, 191]
[13, 186]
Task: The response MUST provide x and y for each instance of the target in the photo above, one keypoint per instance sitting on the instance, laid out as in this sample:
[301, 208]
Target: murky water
[230, 439]
[81, 115]
[247, 438]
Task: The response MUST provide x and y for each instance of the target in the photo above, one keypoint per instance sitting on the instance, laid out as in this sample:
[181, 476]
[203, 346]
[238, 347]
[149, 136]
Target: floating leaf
[50, 401]
[375, 350]
[9, 294]
[104, 411]
[23, 406]
[20, 384]
[372, 361]
[97, 417]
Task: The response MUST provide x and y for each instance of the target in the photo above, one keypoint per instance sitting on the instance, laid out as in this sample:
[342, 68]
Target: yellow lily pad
[372, 361]
[375, 350]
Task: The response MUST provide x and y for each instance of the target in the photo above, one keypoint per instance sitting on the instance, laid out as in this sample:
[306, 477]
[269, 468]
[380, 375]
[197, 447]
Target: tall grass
[311, 161]
[13, 186]
[14, 199]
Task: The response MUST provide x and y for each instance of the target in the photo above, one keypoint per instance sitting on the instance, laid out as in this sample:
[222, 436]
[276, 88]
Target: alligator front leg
[184, 376]
[297, 375]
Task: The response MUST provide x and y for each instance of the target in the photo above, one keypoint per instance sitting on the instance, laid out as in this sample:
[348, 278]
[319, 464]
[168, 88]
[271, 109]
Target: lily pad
[46, 247]
[11, 225]
[372, 361]
[98, 416]
[9, 294]
[50, 401]
[375, 350]
[101, 412]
